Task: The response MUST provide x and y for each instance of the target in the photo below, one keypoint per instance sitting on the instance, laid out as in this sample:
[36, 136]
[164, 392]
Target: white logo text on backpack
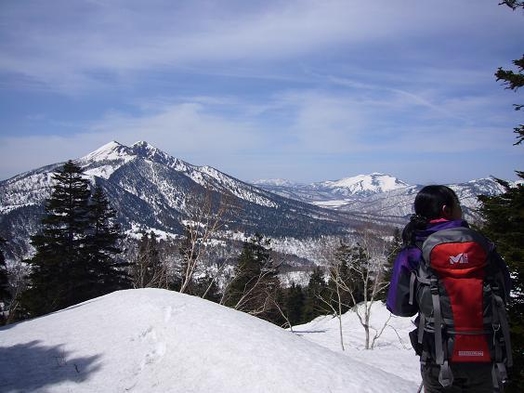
[471, 353]
[460, 258]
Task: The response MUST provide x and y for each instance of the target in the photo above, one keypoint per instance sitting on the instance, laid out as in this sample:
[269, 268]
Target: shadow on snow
[30, 366]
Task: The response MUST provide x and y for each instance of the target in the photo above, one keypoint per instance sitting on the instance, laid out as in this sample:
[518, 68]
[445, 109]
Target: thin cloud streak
[119, 39]
[313, 88]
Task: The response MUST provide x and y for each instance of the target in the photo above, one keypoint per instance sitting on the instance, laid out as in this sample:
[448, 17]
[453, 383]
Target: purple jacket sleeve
[399, 288]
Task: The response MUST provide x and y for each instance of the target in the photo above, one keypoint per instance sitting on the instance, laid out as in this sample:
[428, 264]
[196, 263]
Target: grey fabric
[437, 315]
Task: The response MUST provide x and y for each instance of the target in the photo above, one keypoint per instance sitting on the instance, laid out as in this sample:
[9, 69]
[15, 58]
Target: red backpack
[461, 295]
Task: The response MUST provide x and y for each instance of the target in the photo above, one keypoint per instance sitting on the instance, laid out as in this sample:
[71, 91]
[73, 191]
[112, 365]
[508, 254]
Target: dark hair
[428, 206]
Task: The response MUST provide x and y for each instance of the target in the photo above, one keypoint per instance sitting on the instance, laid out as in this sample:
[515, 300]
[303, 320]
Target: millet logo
[460, 258]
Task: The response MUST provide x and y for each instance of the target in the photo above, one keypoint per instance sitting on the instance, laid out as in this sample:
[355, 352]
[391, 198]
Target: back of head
[429, 205]
[431, 199]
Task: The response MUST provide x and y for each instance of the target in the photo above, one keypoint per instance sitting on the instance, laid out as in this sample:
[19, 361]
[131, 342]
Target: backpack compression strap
[445, 376]
[500, 325]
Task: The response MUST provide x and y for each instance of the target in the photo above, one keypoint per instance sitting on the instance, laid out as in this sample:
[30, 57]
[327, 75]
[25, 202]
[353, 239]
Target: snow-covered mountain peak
[150, 152]
[144, 149]
[372, 183]
[108, 152]
[108, 158]
[116, 151]
[105, 160]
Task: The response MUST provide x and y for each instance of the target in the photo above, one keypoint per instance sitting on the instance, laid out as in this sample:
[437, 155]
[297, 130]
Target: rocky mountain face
[151, 190]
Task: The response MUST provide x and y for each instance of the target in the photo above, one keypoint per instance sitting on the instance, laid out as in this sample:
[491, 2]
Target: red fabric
[437, 220]
[460, 267]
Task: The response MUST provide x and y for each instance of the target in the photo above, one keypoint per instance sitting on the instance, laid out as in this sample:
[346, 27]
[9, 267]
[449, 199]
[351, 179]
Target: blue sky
[305, 90]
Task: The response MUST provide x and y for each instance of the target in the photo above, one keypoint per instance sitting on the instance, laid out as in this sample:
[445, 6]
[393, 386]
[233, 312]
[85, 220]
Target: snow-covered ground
[152, 340]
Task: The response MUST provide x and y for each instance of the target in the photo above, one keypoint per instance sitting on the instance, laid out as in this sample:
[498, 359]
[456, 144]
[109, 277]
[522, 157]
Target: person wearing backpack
[453, 278]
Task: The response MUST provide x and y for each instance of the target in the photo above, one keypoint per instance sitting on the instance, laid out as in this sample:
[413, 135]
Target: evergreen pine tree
[75, 247]
[315, 292]
[5, 295]
[4, 281]
[104, 273]
[512, 79]
[148, 270]
[504, 224]
[60, 245]
[206, 288]
[294, 304]
[255, 284]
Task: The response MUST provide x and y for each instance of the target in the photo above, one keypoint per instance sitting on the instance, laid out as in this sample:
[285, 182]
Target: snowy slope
[152, 340]
[392, 350]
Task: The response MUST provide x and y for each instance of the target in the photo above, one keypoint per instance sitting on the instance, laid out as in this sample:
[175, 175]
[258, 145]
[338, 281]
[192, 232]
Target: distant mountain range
[356, 186]
[152, 190]
[377, 194]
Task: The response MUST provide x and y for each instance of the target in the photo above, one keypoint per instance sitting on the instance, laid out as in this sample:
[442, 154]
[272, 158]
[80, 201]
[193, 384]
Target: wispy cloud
[313, 88]
[73, 45]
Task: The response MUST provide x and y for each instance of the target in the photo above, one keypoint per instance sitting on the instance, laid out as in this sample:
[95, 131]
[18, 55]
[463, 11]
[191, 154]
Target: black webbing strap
[500, 325]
